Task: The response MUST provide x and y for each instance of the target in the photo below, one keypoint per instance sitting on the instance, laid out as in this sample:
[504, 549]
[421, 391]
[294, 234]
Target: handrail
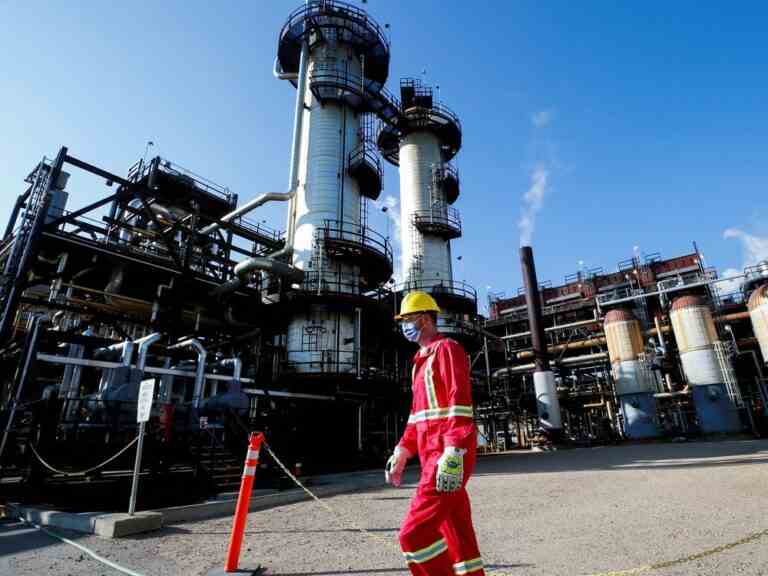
[310, 11]
[454, 287]
[353, 232]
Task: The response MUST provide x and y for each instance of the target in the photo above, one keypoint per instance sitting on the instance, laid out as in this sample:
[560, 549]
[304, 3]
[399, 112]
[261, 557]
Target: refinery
[172, 278]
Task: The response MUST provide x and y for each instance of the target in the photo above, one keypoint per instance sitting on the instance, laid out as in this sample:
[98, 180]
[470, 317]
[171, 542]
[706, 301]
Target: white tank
[696, 336]
[322, 340]
[625, 345]
[426, 258]
[758, 313]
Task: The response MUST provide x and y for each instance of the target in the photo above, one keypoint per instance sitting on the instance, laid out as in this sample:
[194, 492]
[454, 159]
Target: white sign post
[144, 407]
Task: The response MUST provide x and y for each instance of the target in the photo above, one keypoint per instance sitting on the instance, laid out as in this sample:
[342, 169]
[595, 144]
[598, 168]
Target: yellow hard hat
[415, 302]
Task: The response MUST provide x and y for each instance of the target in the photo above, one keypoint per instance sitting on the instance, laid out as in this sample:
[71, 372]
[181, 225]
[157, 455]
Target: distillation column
[425, 139]
[634, 382]
[346, 52]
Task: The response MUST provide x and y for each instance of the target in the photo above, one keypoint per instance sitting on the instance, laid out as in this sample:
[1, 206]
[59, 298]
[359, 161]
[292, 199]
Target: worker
[437, 537]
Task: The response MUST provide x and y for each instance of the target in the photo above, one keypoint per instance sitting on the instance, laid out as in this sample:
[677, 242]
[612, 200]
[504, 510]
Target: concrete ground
[571, 512]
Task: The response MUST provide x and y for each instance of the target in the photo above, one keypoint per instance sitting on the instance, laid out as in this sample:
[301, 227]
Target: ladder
[16, 266]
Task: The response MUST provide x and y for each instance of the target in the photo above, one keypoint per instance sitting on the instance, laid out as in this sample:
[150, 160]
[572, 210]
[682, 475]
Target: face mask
[410, 331]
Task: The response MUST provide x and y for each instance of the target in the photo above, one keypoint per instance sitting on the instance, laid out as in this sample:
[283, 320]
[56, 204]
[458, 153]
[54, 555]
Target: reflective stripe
[249, 471]
[426, 554]
[468, 566]
[438, 413]
[252, 455]
[429, 382]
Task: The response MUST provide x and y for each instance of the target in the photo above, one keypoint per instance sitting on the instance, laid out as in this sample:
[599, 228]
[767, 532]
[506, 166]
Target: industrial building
[651, 349]
[168, 277]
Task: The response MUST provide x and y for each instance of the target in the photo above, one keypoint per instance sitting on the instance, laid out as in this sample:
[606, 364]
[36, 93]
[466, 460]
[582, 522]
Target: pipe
[250, 206]
[268, 263]
[280, 75]
[200, 372]
[599, 340]
[553, 328]
[264, 263]
[236, 364]
[523, 368]
[144, 345]
[660, 333]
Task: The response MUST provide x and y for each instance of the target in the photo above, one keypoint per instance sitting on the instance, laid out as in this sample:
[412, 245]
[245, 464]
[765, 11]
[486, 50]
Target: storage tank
[758, 313]
[697, 339]
[633, 380]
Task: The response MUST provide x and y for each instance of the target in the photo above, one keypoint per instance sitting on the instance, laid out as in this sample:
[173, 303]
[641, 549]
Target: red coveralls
[437, 537]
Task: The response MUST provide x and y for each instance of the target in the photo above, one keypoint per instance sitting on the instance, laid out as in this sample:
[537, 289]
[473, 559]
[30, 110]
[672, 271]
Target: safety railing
[314, 15]
[352, 233]
[447, 287]
[438, 219]
[142, 169]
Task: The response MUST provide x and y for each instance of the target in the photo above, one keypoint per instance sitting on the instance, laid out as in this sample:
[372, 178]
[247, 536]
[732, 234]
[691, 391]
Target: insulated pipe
[200, 372]
[280, 75]
[269, 264]
[236, 364]
[249, 206]
[574, 360]
[264, 263]
[144, 345]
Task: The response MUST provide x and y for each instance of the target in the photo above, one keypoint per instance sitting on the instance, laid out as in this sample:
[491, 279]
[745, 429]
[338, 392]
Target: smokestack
[533, 301]
[547, 403]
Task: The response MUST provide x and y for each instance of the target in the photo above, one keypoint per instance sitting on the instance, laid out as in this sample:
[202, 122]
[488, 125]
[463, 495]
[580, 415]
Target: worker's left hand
[450, 469]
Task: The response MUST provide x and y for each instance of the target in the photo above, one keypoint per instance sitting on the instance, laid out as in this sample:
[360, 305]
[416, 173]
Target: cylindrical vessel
[633, 381]
[696, 338]
[324, 340]
[426, 258]
[758, 313]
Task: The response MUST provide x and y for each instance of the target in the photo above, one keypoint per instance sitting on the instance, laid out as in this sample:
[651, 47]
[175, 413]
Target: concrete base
[119, 525]
[104, 525]
[221, 572]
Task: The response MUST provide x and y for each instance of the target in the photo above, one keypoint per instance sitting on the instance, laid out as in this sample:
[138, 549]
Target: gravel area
[574, 512]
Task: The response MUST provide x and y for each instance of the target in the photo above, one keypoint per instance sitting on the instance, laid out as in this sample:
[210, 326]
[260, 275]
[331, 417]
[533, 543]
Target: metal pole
[31, 345]
[136, 469]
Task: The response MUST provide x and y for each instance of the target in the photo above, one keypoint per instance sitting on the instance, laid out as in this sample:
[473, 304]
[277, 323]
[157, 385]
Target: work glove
[393, 472]
[450, 469]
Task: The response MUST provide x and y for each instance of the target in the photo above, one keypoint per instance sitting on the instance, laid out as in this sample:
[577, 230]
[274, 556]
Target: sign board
[203, 422]
[146, 392]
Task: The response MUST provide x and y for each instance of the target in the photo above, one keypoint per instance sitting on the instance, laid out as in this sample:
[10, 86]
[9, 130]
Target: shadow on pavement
[17, 537]
[652, 456]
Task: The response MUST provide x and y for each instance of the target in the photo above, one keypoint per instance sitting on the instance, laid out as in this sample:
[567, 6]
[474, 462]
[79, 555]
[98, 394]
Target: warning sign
[146, 393]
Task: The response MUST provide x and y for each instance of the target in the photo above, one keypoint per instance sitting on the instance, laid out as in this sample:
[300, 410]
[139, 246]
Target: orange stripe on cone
[243, 502]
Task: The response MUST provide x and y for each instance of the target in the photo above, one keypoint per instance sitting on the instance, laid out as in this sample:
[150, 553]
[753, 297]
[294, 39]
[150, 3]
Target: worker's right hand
[393, 472]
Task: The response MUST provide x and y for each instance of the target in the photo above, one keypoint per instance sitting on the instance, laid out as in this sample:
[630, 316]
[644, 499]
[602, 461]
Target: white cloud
[755, 248]
[533, 200]
[754, 251]
[729, 286]
[392, 213]
[542, 118]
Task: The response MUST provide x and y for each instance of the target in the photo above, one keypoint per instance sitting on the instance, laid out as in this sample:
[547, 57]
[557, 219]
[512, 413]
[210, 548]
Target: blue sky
[625, 123]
